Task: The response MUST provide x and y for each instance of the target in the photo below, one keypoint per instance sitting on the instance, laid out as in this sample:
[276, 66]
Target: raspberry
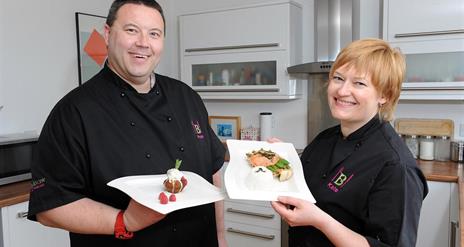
[163, 198]
[172, 198]
[184, 181]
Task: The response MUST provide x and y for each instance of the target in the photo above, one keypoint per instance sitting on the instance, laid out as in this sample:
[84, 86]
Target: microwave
[16, 158]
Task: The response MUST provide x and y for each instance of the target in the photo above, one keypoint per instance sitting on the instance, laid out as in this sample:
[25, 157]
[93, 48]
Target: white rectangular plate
[238, 169]
[145, 189]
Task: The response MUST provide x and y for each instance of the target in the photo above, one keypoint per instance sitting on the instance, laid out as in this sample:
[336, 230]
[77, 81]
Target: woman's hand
[298, 212]
[137, 216]
[273, 140]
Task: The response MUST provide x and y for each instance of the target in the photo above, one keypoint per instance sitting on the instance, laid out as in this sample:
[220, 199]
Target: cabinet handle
[21, 215]
[268, 237]
[238, 211]
[233, 47]
[406, 35]
[454, 229]
[241, 89]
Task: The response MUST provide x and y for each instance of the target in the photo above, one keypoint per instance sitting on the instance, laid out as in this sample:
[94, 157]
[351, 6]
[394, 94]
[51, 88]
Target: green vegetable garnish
[282, 163]
[178, 162]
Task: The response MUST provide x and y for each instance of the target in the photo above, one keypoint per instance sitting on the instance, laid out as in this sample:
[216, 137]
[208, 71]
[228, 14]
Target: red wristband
[120, 231]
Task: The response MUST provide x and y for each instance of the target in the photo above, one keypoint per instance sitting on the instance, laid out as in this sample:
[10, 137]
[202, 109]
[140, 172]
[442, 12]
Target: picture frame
[91, 45]
[225, 127]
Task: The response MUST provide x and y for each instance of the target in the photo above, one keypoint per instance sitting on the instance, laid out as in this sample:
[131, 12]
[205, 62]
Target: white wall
[38, 58]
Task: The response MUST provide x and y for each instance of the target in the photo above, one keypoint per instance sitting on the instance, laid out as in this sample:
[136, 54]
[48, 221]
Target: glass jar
[442, 148]
[426, 149]
[457, 151]
[413, 144]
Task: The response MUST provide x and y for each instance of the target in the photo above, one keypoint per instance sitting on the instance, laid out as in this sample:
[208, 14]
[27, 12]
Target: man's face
[135, 42]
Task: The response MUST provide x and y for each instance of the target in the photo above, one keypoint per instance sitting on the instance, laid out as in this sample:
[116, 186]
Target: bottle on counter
[426, 148]
[413, 144]
[265, 122]
[442, 148]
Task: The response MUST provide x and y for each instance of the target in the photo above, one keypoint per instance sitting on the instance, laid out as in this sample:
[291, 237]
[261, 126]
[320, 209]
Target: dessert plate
[145, 189]
[238, 169]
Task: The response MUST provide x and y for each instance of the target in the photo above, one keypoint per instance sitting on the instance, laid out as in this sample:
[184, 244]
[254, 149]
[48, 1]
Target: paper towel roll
[265, 124]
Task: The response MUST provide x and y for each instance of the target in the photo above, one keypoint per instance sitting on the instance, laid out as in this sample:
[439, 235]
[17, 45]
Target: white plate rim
[207, 194]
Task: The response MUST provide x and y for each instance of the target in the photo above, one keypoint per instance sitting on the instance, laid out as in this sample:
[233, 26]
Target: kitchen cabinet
[421, 26]
[17, 231]
[431, 35]
[434, 76]
[242, 53]
[251, 223]
[439, 220]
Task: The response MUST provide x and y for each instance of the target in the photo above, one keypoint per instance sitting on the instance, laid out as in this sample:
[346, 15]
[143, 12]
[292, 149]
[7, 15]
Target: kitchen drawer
[239, 235]
[251, 214]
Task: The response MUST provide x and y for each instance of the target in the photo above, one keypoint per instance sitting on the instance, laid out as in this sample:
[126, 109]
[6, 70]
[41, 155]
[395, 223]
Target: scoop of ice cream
[174, 174]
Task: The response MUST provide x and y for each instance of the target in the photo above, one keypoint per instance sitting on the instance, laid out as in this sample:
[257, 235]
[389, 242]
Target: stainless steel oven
[16, 157]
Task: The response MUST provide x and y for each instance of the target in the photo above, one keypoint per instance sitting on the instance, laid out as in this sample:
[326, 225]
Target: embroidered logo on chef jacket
[37, 184]
[197, 129]
[339, 180]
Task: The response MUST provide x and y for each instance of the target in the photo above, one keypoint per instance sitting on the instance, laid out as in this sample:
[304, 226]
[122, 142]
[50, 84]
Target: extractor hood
[333, 30]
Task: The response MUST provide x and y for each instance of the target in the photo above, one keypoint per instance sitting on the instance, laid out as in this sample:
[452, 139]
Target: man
[125, 121]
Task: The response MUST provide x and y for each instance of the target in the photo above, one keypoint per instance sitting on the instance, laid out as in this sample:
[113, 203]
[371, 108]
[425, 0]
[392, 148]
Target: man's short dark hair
[117, 4]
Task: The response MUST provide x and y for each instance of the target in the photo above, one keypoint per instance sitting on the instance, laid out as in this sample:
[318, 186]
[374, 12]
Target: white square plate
[145, 189]
[238, 169]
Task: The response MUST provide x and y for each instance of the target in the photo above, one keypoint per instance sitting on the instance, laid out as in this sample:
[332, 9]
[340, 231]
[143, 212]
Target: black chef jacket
[104, 130]
[369, 182]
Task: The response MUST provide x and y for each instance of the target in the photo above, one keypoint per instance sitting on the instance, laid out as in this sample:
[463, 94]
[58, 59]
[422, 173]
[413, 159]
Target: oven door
[15, 161]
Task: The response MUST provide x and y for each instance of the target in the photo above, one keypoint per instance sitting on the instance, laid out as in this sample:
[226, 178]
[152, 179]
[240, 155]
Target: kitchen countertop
[433, 171]
[14, 138]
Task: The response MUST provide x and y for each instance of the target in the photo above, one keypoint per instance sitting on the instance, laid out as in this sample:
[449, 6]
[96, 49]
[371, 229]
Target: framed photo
[225, 127]
[91, 46]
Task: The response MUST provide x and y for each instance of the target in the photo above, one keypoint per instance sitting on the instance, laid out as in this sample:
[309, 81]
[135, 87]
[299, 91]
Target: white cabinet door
[435, 222]
[236, 27]
[424, 26]
[17, 231]
[424, 19]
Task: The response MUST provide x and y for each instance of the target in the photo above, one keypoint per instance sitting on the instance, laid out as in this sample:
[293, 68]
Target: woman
[368, 188]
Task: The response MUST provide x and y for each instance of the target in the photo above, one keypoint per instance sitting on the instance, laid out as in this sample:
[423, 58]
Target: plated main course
[265, 166]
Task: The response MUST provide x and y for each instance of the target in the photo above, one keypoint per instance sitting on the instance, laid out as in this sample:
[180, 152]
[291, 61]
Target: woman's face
[352, 97]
